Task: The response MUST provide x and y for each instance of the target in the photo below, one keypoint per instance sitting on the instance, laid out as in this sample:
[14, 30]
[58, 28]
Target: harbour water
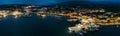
[48, 26]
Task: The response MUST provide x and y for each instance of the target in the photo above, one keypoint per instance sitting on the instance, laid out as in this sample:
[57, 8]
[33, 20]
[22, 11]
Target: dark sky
[48, 2]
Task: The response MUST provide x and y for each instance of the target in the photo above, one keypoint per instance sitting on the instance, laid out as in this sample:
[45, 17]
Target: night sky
[49, 2]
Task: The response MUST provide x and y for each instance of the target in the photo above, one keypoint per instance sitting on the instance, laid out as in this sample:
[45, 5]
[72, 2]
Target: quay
[108, 24]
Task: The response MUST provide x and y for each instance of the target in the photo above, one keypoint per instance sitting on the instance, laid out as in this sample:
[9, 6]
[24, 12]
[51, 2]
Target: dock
[108, 24]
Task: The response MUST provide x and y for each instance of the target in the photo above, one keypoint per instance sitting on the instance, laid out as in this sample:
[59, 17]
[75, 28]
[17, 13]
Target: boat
[93, 27]
[72, 19]
[60, 14]
[43, 15]
[81, 32]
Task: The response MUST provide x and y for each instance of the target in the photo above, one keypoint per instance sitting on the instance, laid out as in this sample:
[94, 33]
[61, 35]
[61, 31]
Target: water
[107, 31]
[49, 26]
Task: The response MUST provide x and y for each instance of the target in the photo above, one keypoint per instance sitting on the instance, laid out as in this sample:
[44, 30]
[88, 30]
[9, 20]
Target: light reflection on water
[49, 26]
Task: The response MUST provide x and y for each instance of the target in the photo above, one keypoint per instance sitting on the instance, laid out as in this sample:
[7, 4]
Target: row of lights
[15, 13]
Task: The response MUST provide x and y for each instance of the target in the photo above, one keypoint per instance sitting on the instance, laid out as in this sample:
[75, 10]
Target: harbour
[59, 18]
[45, 27]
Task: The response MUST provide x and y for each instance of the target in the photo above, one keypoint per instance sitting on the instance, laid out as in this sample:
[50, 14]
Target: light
[69, 28]
[118, 18]
[43, 15]
[80, 25]
[5, 15]
[16, 16]
[16, 13]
